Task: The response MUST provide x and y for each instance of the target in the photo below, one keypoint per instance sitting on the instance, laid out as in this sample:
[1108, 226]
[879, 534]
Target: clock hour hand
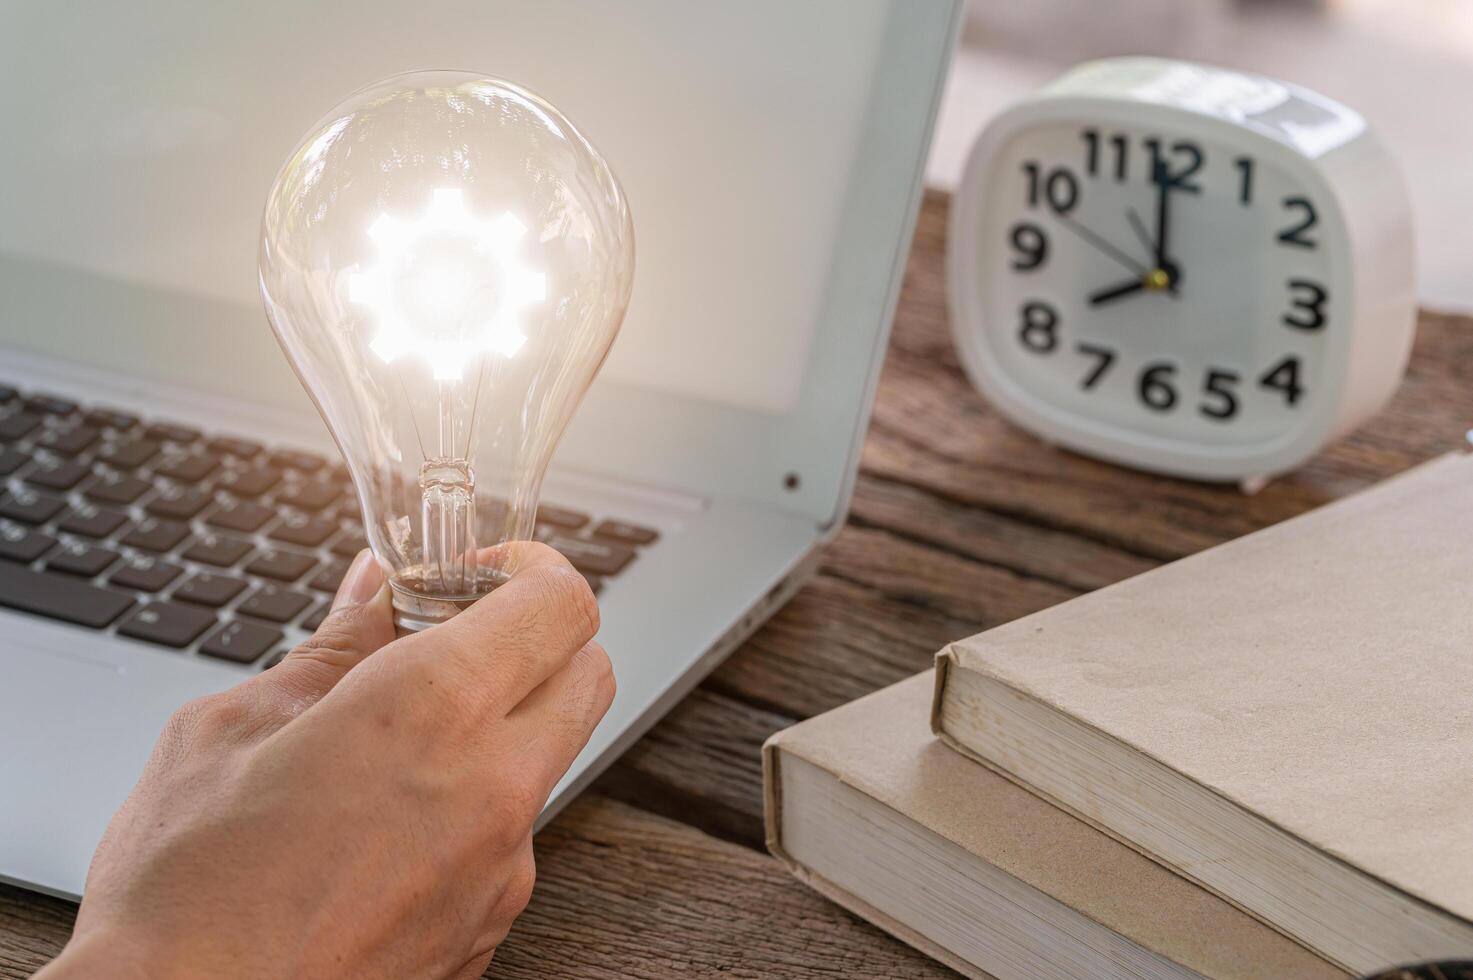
[1109, 293]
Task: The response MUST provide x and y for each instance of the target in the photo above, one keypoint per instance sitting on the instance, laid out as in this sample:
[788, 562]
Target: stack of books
[1255, 762]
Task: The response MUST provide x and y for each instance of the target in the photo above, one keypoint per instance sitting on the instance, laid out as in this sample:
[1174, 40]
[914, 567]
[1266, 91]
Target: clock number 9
[1038, 331]
[1031, 244]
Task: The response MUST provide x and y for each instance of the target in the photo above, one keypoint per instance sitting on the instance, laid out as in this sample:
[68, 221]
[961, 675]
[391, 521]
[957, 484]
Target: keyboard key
[68, 442]
[274, 603]
[57, 474]
[167, 623]
[91, 521]
[86, 560]
[145, 574]
[313, 621]
[241, 642]
[13, 427]
[350, 544]
[19, 543]
[109, 418]
[171, 432]
[208, 589]
[309, 496]
[187, 467]
[594, 557]
[156, 534]
[30, 507]
[250, 483]
[50, 404]
[57, 596]
[178, 503]
[12, 460]
[329, 577]
[130, 454]
[561, 517]
[275, 659]
[230, 446]
[625, 533]
[301, 462]
[299, 529]
[284, 566]
[240, 515]
[117, 489]
[217, 550]
[595, 582]
[350, 508]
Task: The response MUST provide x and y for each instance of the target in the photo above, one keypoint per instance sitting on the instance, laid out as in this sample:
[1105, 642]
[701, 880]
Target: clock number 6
[1038, 330]
[1308, 311]
[1155, 386]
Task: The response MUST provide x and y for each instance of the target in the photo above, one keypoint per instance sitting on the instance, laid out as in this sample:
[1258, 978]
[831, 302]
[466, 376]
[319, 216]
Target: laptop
[174, 516]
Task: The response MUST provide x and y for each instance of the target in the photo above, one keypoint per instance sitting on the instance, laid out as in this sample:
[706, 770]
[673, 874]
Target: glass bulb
[446, 260]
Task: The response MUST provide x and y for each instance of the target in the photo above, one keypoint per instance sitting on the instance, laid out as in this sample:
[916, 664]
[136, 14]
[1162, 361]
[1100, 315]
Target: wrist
[94, 955]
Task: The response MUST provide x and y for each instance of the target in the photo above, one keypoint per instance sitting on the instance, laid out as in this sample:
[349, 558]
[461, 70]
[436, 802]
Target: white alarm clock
[1184, 269]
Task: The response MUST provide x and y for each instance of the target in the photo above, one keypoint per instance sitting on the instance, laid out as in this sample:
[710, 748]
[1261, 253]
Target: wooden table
[960, 522]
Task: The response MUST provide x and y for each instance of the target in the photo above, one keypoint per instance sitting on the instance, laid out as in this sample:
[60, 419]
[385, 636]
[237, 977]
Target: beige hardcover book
[866, 806]
[1286, 719]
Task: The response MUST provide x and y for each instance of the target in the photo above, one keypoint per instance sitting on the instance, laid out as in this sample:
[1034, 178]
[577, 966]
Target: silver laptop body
[772, 153]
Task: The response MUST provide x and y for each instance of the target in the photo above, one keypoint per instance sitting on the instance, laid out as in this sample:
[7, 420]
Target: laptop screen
[143, 140]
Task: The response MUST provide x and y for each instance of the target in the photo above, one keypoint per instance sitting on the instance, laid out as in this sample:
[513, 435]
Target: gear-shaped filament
[428, 288]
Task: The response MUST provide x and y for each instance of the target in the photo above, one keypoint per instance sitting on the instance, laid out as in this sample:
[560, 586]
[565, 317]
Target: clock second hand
[1103, 245]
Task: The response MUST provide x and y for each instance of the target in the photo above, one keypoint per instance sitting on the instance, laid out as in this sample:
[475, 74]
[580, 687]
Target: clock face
[1145, 280]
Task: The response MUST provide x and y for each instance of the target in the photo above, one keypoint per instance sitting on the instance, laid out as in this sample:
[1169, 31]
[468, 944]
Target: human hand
[362, 809]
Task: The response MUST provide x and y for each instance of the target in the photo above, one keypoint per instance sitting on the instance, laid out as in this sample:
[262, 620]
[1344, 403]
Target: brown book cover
[1285, 718]
[1060, 899]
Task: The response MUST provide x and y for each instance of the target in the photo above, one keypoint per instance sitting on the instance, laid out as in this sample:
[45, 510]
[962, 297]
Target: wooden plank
[622, 893]
[701, 765]
[33, 928]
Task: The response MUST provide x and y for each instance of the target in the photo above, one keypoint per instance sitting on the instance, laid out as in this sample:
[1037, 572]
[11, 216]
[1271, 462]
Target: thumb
[361, 621]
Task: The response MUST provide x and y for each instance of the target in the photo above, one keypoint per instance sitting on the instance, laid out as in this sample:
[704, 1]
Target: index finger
[523, 632]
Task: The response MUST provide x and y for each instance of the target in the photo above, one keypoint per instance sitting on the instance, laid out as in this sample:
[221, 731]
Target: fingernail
[361, 583]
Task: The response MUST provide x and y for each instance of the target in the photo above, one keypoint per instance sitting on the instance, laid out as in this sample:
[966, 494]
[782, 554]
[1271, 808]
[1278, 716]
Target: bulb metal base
[415, 609]
[413, 612]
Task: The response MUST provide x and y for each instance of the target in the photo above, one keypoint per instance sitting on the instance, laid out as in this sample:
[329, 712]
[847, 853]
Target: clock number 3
[1307, 300]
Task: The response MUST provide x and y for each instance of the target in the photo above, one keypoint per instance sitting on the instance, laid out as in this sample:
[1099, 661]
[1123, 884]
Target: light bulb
[446, 260]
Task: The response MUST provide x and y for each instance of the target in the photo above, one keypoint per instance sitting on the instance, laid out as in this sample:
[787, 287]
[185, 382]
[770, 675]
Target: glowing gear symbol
[447, 285]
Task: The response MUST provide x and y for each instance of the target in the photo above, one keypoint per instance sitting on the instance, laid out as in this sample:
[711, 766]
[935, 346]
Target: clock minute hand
[1163, 203]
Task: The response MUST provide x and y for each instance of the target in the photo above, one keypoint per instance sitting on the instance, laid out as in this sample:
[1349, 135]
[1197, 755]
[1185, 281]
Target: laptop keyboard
[191, 541]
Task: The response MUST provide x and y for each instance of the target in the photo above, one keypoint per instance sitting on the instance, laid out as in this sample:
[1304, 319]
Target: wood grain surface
[959, 522]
